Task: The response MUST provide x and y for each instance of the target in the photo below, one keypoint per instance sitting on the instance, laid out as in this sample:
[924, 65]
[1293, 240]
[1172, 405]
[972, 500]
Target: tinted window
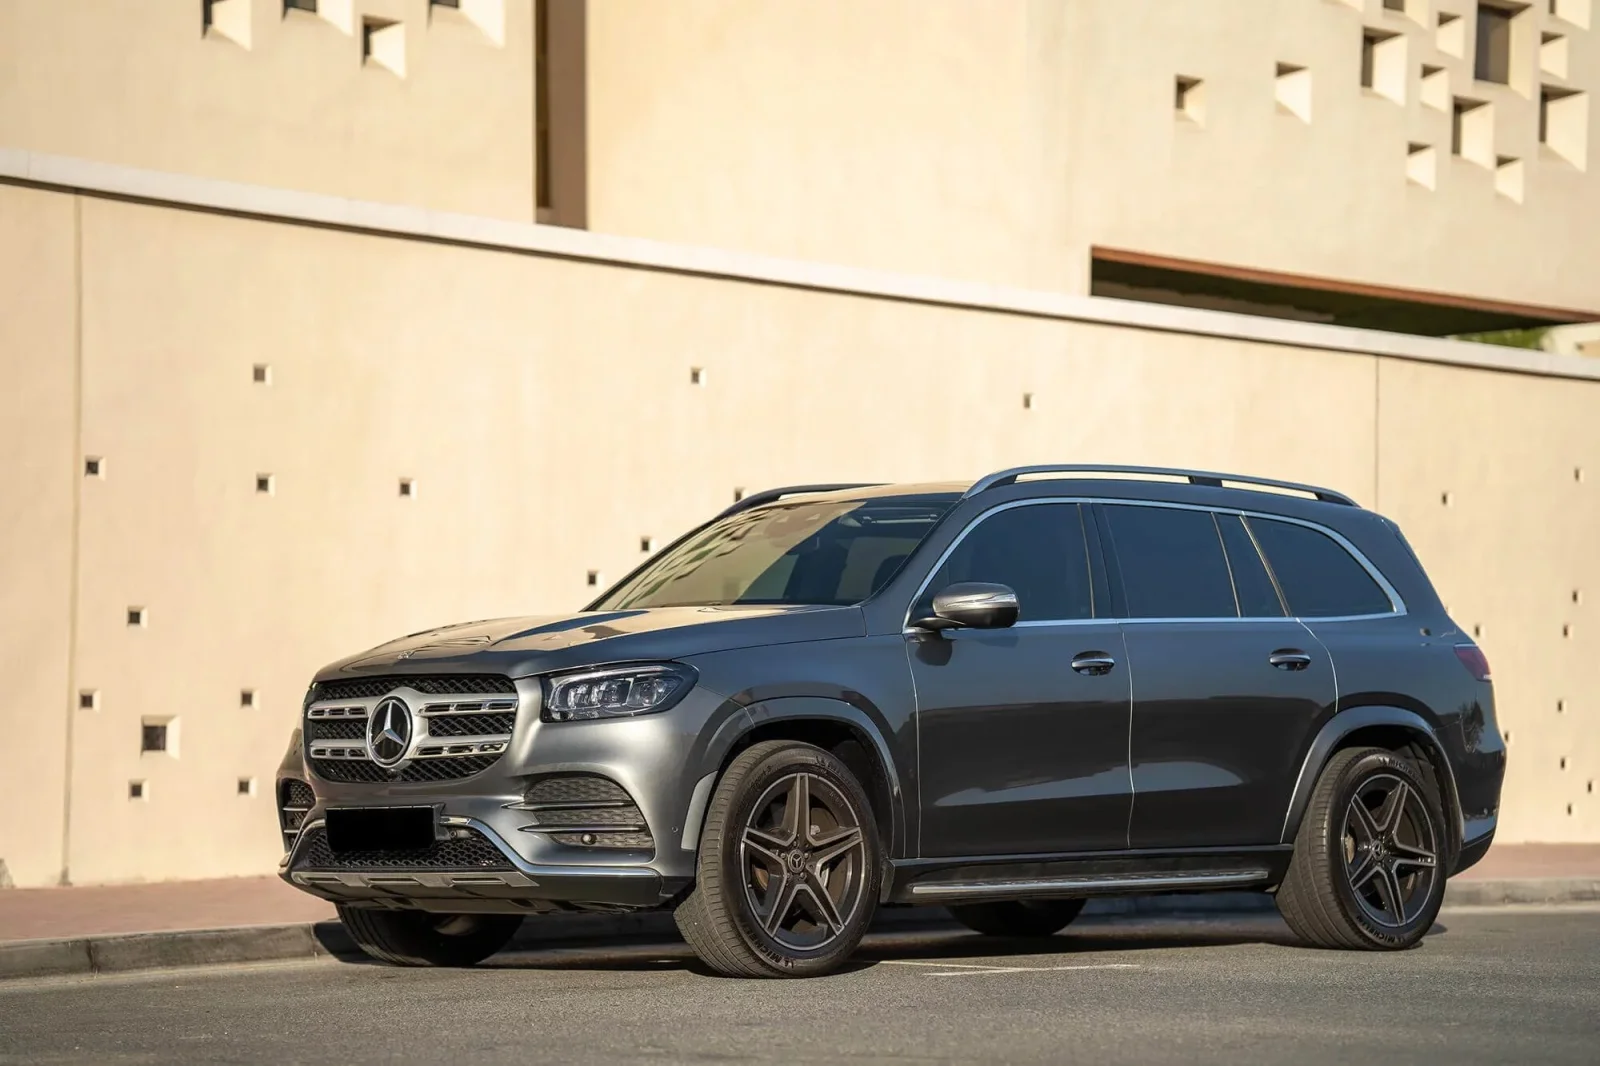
[1172, 563]
[1251, 583]
[837, 552]
[1038, 549]
[1318, 577]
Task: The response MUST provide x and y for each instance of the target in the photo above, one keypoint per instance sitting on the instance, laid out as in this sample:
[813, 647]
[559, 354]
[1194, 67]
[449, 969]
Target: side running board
[1086, 884]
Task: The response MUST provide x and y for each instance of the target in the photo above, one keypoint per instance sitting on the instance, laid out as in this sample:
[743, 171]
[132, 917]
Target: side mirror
[971, 605]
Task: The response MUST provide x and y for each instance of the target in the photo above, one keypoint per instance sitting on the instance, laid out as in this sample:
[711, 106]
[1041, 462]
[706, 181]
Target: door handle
[1289, 659]
[1093, 662]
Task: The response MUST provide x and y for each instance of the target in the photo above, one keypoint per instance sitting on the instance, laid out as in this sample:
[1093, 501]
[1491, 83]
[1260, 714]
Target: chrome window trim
[1373, 572]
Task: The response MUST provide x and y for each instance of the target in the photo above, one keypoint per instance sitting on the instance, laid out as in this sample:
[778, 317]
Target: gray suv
[1003, 698]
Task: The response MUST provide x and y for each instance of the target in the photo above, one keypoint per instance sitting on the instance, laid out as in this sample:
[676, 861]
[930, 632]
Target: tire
[421, 938]
[1371, 881]
[1019, 918]
[776, 896]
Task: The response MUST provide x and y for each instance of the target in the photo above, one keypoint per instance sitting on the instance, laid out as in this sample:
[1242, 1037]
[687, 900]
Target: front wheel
[1021, 918]
[419, 938]
[1368, 869]
[789, 865]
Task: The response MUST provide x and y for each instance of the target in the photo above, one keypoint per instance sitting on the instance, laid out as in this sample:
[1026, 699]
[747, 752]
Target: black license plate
[380, 828]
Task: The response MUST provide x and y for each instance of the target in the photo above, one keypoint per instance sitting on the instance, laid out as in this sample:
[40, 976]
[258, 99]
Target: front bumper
[663, 761]
[523, 886]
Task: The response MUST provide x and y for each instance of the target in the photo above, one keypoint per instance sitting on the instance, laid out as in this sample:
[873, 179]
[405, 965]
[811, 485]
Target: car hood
[518, 647]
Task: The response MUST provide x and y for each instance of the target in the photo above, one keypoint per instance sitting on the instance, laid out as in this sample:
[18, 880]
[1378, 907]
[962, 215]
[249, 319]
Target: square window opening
[153, 737]
[1492, 58]
[1189, 98]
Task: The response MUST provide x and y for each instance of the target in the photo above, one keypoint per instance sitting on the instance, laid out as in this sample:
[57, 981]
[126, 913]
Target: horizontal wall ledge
[91, 178]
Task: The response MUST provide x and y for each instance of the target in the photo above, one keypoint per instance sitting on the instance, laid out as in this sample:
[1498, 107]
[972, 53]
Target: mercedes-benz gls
[1005, 698]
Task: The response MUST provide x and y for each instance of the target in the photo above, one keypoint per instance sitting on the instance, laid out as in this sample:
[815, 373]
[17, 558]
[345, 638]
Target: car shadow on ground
[1118, 940]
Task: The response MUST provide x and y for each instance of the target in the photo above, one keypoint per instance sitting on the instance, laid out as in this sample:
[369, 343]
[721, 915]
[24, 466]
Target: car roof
[1244, 492]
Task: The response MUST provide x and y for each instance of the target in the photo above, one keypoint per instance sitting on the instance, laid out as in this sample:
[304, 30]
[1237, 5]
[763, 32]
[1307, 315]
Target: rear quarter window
[1319, 578]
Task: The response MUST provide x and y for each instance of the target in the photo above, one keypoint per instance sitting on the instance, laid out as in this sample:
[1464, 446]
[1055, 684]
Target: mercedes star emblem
[389, 732]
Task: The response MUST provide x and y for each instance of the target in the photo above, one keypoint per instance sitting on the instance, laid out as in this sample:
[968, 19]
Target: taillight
[1474, 660]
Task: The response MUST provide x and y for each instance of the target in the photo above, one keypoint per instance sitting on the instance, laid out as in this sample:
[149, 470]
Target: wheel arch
[837, 727]
[1399, 730]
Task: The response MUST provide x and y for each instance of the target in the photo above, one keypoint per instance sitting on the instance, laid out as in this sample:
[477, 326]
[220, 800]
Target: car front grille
[585, 811]
[295, 800]
[471, 725]
[354, 729]
[461, 728]
[465, 849]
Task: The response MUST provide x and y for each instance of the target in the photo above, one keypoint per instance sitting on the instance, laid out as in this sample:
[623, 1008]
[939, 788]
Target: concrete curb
[272, 943]
[1530, 890]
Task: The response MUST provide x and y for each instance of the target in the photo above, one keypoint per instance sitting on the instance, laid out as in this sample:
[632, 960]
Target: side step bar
[1086, 884]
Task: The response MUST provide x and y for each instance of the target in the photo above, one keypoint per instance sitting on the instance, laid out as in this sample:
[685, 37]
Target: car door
[1226, 687]
[1023, 731]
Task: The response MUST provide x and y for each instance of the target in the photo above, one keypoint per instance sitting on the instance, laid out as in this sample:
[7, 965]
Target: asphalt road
[1490, 986]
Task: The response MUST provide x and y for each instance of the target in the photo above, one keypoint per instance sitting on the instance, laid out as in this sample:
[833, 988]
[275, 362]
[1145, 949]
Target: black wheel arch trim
[1341, 725]
[797, 709]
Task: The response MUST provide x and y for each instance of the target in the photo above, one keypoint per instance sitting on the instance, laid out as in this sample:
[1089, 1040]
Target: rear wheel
[1031, 917]
[1368, 865]
[788, 871]
[419, 938]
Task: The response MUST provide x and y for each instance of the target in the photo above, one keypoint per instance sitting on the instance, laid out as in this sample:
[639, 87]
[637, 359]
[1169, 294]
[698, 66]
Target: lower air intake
[470, 850]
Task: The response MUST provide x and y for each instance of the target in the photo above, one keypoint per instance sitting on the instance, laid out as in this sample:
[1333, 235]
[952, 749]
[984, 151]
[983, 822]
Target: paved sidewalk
[40, 913]
[62, 913]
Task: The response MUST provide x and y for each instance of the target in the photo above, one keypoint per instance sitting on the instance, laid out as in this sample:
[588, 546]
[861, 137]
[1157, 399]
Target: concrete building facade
[310, 312]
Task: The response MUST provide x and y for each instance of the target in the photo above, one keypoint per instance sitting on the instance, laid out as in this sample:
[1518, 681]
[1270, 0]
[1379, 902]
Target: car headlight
[615, 692]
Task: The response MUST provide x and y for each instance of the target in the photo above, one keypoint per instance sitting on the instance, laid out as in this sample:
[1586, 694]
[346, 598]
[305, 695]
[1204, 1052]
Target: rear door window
[1319, 578]
[1039, 550]
[1172, 562]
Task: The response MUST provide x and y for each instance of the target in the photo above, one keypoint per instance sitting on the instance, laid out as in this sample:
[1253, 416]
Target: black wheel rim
[804, 854]
[1391, 853]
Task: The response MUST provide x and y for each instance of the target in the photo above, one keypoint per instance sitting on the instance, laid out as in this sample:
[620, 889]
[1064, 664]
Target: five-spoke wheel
[1391, 851]
[805, 855]
[788, 868]
[1368, 865]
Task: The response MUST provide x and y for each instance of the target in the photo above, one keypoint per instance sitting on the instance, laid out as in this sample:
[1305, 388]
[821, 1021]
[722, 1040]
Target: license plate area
[380, 828]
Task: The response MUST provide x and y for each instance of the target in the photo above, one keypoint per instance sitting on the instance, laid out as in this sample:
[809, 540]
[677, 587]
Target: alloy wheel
[803, 853]
[1391, 852]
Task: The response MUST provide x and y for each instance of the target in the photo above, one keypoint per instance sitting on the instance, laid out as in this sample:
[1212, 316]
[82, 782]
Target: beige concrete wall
[545, 410]
[1254, 185]
[896, 134]
[992, 141]
[137, 82]
[1496, 481]
[1000, 141]
[38, 498]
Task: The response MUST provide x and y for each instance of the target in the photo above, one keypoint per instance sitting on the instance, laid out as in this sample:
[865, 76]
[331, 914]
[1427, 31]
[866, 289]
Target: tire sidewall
[1348, 783]
[725, 852]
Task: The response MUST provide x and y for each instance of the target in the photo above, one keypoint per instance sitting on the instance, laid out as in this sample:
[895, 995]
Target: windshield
[835, 553]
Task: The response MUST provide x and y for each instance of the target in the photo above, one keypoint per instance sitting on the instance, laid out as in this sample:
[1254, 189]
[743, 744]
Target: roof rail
[756, 499]
[1194, 477]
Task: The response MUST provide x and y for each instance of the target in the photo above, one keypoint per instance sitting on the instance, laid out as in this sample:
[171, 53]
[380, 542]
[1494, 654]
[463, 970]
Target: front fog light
[616, 692]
